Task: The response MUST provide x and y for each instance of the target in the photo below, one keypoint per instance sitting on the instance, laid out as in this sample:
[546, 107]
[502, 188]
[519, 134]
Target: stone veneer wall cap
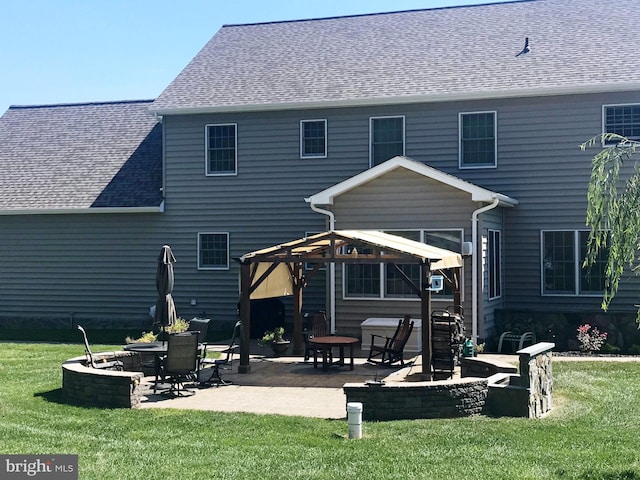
[537, 348]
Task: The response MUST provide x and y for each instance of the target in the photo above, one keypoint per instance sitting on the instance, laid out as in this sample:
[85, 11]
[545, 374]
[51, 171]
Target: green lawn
[592, 433]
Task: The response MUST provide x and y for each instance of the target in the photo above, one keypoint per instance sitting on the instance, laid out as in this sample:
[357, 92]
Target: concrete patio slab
[275, 385]
[290, 386]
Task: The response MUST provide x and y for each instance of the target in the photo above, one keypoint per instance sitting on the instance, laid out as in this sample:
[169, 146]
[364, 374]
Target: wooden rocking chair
[393, 348]
[319, 328]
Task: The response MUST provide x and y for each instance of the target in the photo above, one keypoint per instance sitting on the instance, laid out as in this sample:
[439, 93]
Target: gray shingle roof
[80, 156]
[426, 55]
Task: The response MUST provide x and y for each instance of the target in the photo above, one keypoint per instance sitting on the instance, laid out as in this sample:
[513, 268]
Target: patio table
[158, 349]
[326, 344]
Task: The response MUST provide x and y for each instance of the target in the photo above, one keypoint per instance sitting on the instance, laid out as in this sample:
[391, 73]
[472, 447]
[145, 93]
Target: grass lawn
[592, 433]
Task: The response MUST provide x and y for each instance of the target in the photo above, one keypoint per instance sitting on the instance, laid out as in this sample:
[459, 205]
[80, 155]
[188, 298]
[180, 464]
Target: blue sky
[66, 51]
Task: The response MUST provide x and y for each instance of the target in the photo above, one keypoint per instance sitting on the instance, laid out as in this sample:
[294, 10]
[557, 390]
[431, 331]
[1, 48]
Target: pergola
[279, 270]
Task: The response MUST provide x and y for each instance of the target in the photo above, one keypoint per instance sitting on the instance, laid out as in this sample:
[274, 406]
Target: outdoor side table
[326, 344]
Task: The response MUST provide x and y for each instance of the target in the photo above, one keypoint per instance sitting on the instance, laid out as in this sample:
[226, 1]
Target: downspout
[332, 266]
[474, 266]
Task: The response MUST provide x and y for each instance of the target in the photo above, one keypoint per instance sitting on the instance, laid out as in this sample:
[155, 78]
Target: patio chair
[200, 325]
[215, 364]
[389, 350]
[180, 364]
[319, 328]
[98, 363]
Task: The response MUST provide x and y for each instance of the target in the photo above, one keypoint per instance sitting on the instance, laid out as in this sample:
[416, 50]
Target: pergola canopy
[278, 271]
[338, 245]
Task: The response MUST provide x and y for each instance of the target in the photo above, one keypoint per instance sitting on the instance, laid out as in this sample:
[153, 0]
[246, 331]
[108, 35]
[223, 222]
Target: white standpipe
[332, 267]
[354, 419]
[475, 258]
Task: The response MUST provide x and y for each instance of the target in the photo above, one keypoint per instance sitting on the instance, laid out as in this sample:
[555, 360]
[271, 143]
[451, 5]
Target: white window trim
[577, 262]
[200, 267]
[381, 296]
[302, 122]
[461, 166]
[404, 129]
[206, 151]
[604, 118]
[493, 231]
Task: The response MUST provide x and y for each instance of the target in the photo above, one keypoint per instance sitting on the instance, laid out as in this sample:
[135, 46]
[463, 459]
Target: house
[436, 124]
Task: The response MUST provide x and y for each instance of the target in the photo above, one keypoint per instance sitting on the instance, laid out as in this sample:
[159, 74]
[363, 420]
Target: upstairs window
[213, 251]
[623, 120]
[221, 149]
[386, 139]
[313, 139]
[562, 271]
[478, 140]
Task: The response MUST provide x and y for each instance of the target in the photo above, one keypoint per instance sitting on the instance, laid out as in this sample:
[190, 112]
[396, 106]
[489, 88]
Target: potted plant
[180, 325]
[275, 339]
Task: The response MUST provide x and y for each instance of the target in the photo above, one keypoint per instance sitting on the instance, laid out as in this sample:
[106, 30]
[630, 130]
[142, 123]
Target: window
[623, 120]
[562, 270]
[363, 280]
[213, 251]
[387, 139]
[495, 265]
[221, 141]
[394, 284]
[311, 266]
[384, 280]
[478, 140]
[313, 138]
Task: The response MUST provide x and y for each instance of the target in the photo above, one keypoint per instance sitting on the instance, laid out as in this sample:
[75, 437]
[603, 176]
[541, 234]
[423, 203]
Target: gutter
[67, 211]
[332, 265]
[474, 266]
[399, 100]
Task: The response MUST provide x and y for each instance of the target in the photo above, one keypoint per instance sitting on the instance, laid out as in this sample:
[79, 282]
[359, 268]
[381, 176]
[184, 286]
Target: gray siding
[56, 263]
[539, 164]
[85, 267]
[491, 220]
[425, 204]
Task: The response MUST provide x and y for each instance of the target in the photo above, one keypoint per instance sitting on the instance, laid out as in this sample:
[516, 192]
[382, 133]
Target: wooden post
[457, 289]
[298, 347]
[245, 317]
[425, 297]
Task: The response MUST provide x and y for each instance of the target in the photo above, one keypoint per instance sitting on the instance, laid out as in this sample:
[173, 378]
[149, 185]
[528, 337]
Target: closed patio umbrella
[165, 314]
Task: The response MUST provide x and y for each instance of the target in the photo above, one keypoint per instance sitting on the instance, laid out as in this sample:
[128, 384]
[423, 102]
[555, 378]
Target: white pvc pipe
[475, 257]
[354, 419]
[332, 267]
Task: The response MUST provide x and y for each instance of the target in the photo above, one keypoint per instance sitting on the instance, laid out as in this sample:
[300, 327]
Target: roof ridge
[357, 15]
[79, 104]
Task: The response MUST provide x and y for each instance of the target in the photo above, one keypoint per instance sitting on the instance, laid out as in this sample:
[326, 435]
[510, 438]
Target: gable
[438, 54]
[427, 173]
[79, 157]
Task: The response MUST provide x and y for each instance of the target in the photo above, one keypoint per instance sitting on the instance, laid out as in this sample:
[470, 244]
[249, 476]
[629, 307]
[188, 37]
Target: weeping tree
[613, 211]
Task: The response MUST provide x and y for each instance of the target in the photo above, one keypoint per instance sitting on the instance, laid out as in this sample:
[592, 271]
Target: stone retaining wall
[528, 394]
[86, 386]
[536, 374]
[411, 400]
[480, 367]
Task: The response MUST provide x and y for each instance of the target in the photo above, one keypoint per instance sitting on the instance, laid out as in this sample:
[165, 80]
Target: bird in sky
[526, 48]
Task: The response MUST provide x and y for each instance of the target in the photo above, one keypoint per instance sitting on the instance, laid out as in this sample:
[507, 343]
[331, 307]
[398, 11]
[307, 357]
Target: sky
[70, 51]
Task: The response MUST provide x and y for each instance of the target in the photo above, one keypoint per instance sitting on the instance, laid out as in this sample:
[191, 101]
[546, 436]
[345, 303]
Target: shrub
[590, 338]
[610, 349]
